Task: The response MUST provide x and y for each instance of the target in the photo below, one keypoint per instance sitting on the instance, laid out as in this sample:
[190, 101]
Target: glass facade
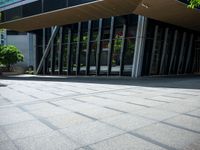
[36, 7]
[107, 47]
[170, 50]
[98, 47]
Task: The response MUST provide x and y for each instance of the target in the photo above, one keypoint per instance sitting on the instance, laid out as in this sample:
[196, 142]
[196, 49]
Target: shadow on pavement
[182, 81]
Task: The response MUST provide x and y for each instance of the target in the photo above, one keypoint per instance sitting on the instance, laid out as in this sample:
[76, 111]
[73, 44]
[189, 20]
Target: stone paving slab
[94, 113]
[90, 133]
[125, 142]
[49, 141]
[25, 129]
[173, 137]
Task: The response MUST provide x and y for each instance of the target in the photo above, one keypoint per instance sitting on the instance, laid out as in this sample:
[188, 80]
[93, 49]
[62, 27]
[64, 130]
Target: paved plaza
[90, 113]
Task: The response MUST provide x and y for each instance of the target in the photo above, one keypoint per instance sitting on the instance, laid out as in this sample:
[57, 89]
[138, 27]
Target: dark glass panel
[83, 47]
[157, 52]
[184, 56]
[177, 53]
[128, 56]
[39, 52]
[48, 64]
[56, 53]
[132, 21]
[104, 57]
[65, 35]
[73, 57]
[197, 55]
[50, 5]
[93, 57]
[78, 2]
[168, 52]
[83, 52]
[47, 35]
[148, 47]
[12, 14]
[32, 8]
[64, 59]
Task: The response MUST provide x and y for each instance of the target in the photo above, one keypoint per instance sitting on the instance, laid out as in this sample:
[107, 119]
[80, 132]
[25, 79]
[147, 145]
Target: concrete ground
[89, 113]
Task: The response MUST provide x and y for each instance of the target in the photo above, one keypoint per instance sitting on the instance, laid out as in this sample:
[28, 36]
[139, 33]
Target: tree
[10, 55]
[194, 3]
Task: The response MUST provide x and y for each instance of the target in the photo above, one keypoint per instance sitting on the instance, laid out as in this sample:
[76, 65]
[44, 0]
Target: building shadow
[181, 81]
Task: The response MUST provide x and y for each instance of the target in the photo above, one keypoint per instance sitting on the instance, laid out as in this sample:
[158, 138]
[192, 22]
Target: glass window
[78, 2]
[83, 48]
[64, 59]
[50, 5]
[128, 56]
[157, 52]
[32, 8]
[115, 69]
[12, 14]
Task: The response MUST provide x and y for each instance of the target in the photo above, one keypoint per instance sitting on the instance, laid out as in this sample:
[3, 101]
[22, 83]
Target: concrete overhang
[89, 11]
[169, 11]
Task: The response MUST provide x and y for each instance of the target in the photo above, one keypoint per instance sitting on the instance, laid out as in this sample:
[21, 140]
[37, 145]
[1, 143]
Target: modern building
[23, 41]
[108, 37]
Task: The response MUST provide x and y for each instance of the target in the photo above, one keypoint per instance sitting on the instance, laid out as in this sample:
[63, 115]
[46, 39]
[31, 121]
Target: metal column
[139, 47]
[164, 51]
[88, 47]
[69, 51]
[44, 47]
[111, 44]
[60, 51]
[189, 52]
[173, 51]
[154, 48]
[181, 53]
[99, 47]
[123, 46]
[78, 48]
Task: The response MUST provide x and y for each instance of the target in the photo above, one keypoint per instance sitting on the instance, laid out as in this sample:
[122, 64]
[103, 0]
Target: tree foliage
[10, 55]
[194, 3]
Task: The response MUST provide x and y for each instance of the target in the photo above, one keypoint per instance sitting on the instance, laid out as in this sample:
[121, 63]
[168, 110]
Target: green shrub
[10, 55]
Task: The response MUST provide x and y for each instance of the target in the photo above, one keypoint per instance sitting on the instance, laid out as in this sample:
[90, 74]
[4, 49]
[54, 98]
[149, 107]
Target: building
[108, 37]
[23, 41]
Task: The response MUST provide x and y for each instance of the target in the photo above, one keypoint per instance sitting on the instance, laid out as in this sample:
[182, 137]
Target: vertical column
[30, 41]
[33, 44]
[189, 52]
[69, 51]
[99, 47]
[181, 53]
[78, 48]
[44, 47]
[60, 51]
[52, 55]
[164, 51]
[111, 44]
[88, 47]
[173, 51]
[123, 46]
[154, 48]
[139, 47]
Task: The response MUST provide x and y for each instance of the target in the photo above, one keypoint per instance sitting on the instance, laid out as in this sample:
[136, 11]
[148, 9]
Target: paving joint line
[180, 127]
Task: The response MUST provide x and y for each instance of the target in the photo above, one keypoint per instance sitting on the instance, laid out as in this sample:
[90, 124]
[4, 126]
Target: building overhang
[89, 11]
[169, 11]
